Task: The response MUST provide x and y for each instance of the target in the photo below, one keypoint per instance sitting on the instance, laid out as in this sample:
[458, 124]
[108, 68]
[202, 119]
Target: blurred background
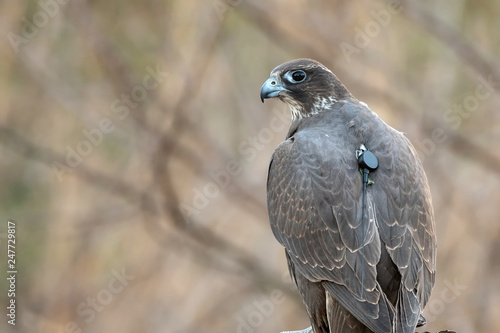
[134, 151]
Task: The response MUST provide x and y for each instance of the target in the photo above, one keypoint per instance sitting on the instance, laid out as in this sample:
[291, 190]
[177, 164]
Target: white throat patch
[296, 111]
[320, 104]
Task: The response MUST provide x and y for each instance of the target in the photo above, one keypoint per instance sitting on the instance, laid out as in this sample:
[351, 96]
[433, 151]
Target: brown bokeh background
[134, 144]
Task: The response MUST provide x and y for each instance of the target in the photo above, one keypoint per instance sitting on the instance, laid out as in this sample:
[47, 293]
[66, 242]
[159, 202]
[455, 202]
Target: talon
[421, 321]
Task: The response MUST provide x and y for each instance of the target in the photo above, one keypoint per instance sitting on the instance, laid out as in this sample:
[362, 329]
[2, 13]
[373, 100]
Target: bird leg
[305, 330]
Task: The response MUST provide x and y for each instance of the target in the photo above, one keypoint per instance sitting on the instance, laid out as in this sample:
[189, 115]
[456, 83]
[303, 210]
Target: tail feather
[407, 311]
[342, 321]
[377, 317]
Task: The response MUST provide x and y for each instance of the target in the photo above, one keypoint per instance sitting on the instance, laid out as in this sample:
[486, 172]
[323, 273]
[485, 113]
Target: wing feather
[316, 215]
[314, 201]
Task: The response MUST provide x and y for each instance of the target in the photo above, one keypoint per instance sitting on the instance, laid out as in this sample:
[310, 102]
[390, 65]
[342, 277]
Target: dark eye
[298, 76]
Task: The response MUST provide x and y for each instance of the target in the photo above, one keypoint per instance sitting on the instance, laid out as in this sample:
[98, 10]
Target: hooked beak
[271, 88]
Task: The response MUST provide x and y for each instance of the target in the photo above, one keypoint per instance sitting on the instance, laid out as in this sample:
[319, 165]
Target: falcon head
[305, 85]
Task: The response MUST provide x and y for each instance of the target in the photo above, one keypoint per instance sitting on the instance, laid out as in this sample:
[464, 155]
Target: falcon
[361, 263]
